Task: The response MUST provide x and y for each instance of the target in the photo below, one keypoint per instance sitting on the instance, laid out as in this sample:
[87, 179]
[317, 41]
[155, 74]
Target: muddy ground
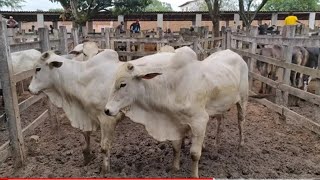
[273, 149]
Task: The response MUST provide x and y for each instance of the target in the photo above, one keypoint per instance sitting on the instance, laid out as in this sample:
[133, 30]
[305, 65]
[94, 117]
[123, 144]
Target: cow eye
[84, 54]
[123, 85]
[38, 69]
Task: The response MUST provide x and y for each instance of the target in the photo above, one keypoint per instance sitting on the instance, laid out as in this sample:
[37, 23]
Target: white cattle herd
[171, 93]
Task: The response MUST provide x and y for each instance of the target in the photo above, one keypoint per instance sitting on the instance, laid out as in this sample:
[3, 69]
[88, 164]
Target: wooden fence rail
[15, 144]
[283, 88]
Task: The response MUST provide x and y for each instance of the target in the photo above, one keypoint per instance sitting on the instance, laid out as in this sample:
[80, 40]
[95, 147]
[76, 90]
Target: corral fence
[13, 108]
[133, 45]
[284, 91]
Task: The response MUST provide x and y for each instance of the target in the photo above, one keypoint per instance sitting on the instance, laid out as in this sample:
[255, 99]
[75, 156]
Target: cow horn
[130, 67]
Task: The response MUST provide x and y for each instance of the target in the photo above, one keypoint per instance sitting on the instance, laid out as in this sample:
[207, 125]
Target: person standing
[120, 27]
[135, 27]
[11, 23]
[291, 20]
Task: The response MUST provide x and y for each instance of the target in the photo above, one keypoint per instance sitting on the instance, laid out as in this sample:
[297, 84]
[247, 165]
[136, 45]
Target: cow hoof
[240, 146]
[87, 157]
[204, 149]
[105, 170]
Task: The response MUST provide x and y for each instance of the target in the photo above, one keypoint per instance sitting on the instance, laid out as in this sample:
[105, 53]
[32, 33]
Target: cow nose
[107, 112]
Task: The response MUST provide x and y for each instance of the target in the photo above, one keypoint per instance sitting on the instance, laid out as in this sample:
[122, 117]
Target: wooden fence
[135, 44]
[15, 145]
[283, 88]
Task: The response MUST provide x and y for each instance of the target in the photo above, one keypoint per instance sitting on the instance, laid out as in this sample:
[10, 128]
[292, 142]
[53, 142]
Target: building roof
[186, 3]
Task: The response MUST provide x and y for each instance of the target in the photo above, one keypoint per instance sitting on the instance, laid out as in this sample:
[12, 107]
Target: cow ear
[75, 52]
[55, 64]
[149, 76]
[45, 56]
[130, 67]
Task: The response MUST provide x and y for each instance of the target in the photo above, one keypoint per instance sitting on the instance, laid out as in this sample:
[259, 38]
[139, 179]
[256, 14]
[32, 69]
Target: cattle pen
[129, 47]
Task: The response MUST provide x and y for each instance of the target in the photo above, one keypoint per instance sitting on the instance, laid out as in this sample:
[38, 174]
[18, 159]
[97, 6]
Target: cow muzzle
[33, 91]
[109, 112]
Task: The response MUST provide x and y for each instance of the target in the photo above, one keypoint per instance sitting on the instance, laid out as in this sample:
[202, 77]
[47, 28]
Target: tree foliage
[130, 6]
[83, 10]
[14, 4]
[156, 5]
[292, 5]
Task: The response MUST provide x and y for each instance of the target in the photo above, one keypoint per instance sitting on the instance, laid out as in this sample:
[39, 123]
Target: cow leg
[107, 125]
[264, 74]
[87, 156]
[241, 107]
[218, 135]
[294, 79]
[176, 154]
[261, 88]
[198, 134]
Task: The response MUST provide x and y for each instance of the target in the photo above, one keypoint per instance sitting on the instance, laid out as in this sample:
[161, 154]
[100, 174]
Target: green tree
[14, 4]
[292, 5]
[82, 11]
[156, 5]
[130, 6]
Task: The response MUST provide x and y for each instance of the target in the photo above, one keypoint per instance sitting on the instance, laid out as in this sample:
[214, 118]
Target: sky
[32, 5]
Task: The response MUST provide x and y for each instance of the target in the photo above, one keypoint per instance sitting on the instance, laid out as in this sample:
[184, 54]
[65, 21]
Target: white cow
[173, 93]
[80, 88]
[23, 61]
[84, 51]
[167, 48]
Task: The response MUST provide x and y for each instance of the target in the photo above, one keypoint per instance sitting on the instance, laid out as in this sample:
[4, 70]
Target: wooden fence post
[228, 38]
[128, 50]
[44, 39]
[224, 36]
[75, 36]
[103, 43]
[288, 32]
[45, 46]
[253, 48]
[317, 108]
[63, 36]
[107, 37]
[11, 99]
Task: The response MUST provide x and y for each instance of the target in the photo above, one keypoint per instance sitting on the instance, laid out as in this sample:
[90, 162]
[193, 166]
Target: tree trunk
[216, 27]
[214, 12]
